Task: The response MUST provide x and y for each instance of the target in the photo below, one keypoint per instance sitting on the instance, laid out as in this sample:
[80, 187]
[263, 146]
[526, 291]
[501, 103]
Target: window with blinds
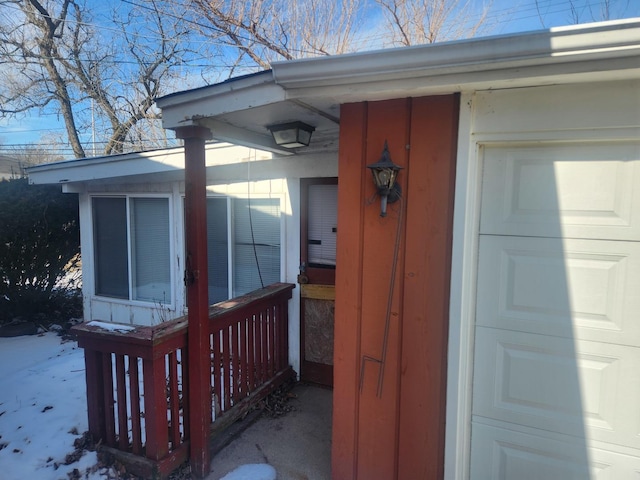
[131, 238]
[243, 238]
[256, 246]
[111, 265]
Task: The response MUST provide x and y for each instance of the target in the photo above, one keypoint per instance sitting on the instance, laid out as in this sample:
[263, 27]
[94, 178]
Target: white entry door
[556, 385]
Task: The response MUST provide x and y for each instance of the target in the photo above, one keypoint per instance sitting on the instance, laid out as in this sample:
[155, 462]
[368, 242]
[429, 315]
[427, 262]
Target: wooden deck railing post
[95, 395]
[155, 408]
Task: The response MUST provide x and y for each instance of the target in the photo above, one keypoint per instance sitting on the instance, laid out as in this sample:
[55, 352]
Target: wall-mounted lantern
[384, 176]
[291, 135]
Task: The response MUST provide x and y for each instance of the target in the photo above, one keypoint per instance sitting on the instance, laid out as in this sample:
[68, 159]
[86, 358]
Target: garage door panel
[506, 454]
[581, 191]
[575, 388]
[585, 289]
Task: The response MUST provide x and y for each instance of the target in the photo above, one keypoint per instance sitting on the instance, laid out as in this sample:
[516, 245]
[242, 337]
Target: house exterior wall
[401, 432]
[227, 184]
[390, 343]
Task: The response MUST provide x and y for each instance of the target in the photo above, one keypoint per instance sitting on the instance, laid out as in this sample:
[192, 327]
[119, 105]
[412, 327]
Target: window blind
[150, 245]
[265, 220]
[322, 224]
[110, 246]
[217, 249]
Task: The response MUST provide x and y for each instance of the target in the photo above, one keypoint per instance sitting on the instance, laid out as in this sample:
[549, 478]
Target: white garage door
[556, 387]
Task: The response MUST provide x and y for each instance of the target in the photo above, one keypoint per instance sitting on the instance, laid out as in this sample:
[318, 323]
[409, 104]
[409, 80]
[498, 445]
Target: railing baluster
[233, 354]
[226, 374]
[185, 393]
[284, 319]
[174, 405]
[251, 353]
[258, 343]
[277, 339]
[217, 372]
[265, 345]
[272, 338]
[121, 395]
[281, 337]
[242, 377]
[134, 389]
[109, 402]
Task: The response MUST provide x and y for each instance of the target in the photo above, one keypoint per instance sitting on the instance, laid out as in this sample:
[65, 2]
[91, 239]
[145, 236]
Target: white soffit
[188, 108]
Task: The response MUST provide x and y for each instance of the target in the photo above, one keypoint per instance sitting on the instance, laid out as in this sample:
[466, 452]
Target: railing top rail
[229, 307]
[139, 335]
[157, 334]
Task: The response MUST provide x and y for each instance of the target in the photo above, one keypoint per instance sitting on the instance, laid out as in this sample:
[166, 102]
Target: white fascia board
[554, 47]
[235, 84]
[190, 107]
[97, 168]
[465, 82]
[132, 164]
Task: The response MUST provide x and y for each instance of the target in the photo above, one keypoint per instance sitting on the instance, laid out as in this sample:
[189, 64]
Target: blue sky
[506, 16]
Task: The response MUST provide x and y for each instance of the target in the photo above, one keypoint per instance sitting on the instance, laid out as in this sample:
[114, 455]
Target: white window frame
[172, 277]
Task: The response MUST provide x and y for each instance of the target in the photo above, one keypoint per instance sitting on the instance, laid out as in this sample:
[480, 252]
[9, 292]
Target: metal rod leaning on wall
[387, 326]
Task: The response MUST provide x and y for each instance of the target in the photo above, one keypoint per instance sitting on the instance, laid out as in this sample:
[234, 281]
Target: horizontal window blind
[263, 215]
[217, 249]
[110, 247]
[322, 224]
[150, 245]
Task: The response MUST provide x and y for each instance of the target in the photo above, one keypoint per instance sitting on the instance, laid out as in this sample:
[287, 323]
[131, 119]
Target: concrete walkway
[297, 444]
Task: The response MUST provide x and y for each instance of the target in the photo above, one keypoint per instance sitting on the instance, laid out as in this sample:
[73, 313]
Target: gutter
[234, 86]
[598, 41]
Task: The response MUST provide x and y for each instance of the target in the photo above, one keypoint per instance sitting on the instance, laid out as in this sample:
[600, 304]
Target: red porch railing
[138, 380]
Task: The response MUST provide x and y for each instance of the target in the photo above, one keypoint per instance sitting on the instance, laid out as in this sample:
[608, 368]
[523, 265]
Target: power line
[499, 16]
[542, 9]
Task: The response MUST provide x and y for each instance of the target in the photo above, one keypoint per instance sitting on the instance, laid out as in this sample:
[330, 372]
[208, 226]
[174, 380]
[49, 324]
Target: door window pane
[322, 224]
[110, 247]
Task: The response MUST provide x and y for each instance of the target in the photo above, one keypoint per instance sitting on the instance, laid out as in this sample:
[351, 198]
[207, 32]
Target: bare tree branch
[416, 22]
[103, 76]
[263, 31]
[52, 56]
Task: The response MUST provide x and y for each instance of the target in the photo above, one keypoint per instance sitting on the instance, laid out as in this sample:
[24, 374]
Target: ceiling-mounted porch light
[291, 135]
[384, 176]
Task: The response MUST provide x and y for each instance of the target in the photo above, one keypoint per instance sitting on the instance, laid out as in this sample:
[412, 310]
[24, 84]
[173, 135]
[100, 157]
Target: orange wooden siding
[399, 434]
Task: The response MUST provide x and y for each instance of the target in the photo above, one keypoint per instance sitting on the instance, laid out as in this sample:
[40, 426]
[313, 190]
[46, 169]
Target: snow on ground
[42, 408]
[253, 471]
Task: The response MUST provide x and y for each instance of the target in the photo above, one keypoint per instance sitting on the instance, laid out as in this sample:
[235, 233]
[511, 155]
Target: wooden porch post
[196, 280]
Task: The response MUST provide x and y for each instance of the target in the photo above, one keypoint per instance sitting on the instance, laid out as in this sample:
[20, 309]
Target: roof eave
[542, 49]
[158, 162]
